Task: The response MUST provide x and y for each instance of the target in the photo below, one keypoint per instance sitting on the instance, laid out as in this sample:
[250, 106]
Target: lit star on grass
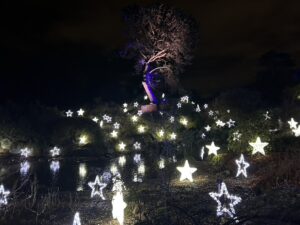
[220, 123]
[55, 151]
[161, 133]
[136, 104]
[242, 166]
[83, 139]
[207, 128]
[173, 136]
[25, 152]
[3, 195]
[178, 105]
[54, 166]
[95, 119]
[24, 168]
[118, 206]
[141, 129]
[114, 134]
[137, 145]
[230, 123]
[186, 171]
[296, 131]
[225, 207]
[258, 146]
[69, 113]
[134, 118]
[122, 146]
[97, 188]
[80, 112]
[122, 160]
[212, 149]
[293, 123]
[184, 121]
[116, 125]
[198, 109]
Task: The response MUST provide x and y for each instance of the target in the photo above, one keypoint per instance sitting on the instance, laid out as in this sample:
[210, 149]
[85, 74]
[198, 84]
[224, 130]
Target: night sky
[66, 52]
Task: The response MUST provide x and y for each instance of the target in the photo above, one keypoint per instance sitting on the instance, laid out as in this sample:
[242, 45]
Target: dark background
[65, 53]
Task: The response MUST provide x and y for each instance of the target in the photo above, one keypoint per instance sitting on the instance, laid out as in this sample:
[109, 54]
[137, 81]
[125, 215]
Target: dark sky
[66, 50]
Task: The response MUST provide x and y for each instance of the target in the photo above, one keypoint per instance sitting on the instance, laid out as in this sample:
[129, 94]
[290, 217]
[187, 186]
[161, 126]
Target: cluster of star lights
[225, 201]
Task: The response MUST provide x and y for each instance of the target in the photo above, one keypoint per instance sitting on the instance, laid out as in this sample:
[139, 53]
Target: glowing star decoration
[236, 136]
[125, 110]
[211, 113]
[258, 146]
[205, 106]
[242, 166]
[184, 121]
[25, 152]
[140, 112]
[230, 123]
[293, 123]
[114, 169]
[55, 151]
[95, 119]
[137, 145]
[136, 104]
[69, 113]
[179, 105]
[118, 206]
[296, 131]
[114, 134]
[141, 129]
[83, 139]
[161, 163]
[173, 136]
[76, 220]
[225, 201]
[125, 105]
[161, 133]
[116, 126]
[202, 152]
[3, 195]
[107, 118]
[54, 166]
[186, 171]
[172, 119]
[141, 169]
[220, 123]
[184, 99]
[212, 149]
[137, 158]
[198, 108]
[97, 188]
[134, 118]
[80, 112]
[122, 146]
[24, 168]
[207, 128]
[122, 160]
[267, 116]
[82, 170]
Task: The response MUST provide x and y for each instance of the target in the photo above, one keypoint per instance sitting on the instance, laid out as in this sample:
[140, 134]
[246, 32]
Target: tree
[161, 40]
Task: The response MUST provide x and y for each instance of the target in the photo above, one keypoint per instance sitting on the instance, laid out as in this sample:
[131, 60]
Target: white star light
[122, 146]
[25, 152]
[293, 123]
[136, 104]
[222, 207]
[161, 133]
[114, 134]
[24, 168]
[140, 112]
[236, 136]
[198, 108]
[55, 151]
[3, 195]
[141, 129]
[97, 188]
[207, 128]
[185, 99]
[186, 171]
[173, 136]
[230, 123]
[95, 119]
[137, 158]
[116, 125]
[184, 121]
[161, 163]
[141, 168]
[137, 145]
[76, 220]
[178, 105]
[258, 146]
[172, 119]
[134, 118]
[69, 113]
[220, 123]
[212, 149]
[203, 135]
[83, 139]
[80, 112]
[205, 106]
[211, 113]
[125, 105]
[54, 166]
[118, 206]
[296, 131]
[242, 166]
[122, 160]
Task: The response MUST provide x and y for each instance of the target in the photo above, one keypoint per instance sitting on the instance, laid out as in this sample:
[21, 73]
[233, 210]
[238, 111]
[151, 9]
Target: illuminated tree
[161, 40]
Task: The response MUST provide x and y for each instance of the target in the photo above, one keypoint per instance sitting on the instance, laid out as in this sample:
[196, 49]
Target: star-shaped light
[140, 112]
[95, 119]
[69, 113]
[137, 158]
[258, 146]
[116, 125]
[293, 123]
[296, 131]
[25, 152]
[83, 139]
[114, 134]
[136, 104]
[172, 119]
[186, 171]
[220, 123]
[211, 113]
[122, 146]
[230, 123]
[173, 136]
[203, 136]
[118, 206]
[161, 163]
[137, 145]
[225, 207]
[184, 121]
[236, 136]
[205, 106]
[141, 129]
[97, 188]
[125, 105]
[55, 151]
[3, 195]
[54, 166]
[134, 118]
[242, 166]
[141, 168]
[76, 220]
[80, 112]
[24, 168]
[122, 160]
[178, 105]
[125, 110]
[212, 149]
[198, 109]
[161, 133]
[207, 128]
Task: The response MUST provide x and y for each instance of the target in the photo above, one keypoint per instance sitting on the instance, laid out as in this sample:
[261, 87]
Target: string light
[97, 188]
[95, 119]
[242, 166]
[3, 195]
[83, 139]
